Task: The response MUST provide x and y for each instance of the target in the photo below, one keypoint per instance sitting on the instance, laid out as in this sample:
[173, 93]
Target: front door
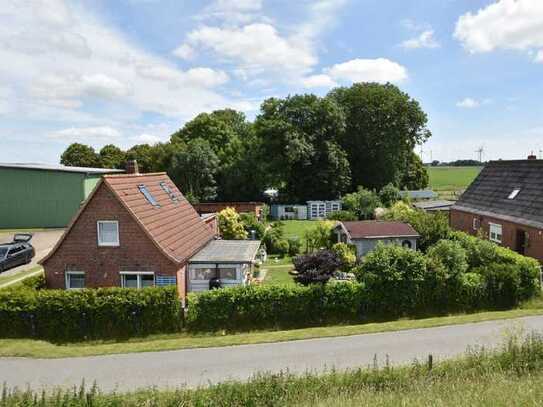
[521, 241]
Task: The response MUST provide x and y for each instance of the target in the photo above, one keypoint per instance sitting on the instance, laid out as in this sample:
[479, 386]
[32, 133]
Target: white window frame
[138, 274]
[108, 244]
[491, 233]
[67, 275]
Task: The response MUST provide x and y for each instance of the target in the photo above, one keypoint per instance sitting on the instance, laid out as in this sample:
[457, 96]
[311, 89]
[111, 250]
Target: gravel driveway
[194, 367]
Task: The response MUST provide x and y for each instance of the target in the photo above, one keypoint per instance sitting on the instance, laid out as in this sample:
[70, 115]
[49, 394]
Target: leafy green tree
[193, 170]
[383, 125]
[320, 237]
[240, 173]
[112, 156]
[143, 154]
[342, 215]
[346, 253]
[415, 174]
[250, 223]
[79, 155]
[362, 202]
[389, 195]
[231, 226]
[299, 138]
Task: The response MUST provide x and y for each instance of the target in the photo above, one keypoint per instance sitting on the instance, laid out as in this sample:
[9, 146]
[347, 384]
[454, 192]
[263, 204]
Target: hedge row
[88, 314]
[253, 307]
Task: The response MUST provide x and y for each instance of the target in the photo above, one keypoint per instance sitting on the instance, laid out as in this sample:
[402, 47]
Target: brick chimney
[532, 156]
[132, 167]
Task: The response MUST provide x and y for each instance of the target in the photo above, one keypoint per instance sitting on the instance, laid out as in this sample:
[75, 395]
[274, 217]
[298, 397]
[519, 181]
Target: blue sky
[133, 71]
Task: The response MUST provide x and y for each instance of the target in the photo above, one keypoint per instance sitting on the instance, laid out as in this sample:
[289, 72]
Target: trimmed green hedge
[253, 307]
[102, 313]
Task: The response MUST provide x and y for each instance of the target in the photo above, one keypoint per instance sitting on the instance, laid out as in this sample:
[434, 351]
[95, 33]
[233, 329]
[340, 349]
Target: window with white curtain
[108, 233]
[495, 233]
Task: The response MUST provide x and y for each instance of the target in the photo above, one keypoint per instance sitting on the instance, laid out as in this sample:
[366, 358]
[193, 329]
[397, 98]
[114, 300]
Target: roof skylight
[169, 191]
[143, 189]
[513, 194]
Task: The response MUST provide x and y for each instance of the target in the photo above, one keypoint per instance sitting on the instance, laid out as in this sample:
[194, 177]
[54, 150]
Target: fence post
[430, 361]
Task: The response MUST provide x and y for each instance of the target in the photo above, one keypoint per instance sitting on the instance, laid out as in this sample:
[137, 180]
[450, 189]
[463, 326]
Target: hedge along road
[195, 367]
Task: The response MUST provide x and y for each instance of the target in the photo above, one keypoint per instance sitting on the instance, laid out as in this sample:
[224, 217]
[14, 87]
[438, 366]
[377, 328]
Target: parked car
[16, 253]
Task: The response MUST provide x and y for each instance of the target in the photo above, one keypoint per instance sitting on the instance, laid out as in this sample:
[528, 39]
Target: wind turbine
[480, 151]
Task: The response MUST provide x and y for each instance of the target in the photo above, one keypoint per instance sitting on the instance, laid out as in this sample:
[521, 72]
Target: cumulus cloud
[256, 47]
[319, 81]
[506, 24]
[468, 103]
[379, 70]
[424, 40]
[232, 11]
[184, 51]
[86, 134]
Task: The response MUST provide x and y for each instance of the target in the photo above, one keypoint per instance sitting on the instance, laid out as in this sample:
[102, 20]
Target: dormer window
[513, 194]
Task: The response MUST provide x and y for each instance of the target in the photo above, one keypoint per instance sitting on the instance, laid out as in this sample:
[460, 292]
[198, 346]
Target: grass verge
[12, 279]
[43, 349]
[510, 376]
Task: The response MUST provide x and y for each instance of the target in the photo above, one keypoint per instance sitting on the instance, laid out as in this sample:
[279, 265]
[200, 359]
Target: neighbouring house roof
[434, 205]
[58, 167]
[374, 229]
[511, 190]
[419, 194]
[163, 213]
[227, 251]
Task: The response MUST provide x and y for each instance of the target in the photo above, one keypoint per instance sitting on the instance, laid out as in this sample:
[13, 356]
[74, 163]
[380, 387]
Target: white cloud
[86, 61]
[255, 48]
[86, 134]
[539, 57]
[368, 70]
[184, 51]
[506, 24]
[232, 11]
[146, 138]
[424, 40]
[319, 81]
[468, 103]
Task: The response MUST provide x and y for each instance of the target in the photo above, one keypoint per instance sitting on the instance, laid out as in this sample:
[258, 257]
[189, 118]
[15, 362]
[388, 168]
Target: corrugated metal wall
[39, 198]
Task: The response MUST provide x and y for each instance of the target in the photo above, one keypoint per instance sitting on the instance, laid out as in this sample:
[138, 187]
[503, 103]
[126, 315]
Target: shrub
[321, 236]
[431, 227]
[271, 306]
[318, 267]
[250, 222]
[231, 226]
[342, 215]
[363, 203]
[449, 255]
[281, 247]
[346, 253]
[389, 195]
[294, 247]
[34, 283]
[272, 236]
[394, 278]
[65, 315]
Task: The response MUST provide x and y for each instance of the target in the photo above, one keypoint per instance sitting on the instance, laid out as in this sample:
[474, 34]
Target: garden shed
[44, 196]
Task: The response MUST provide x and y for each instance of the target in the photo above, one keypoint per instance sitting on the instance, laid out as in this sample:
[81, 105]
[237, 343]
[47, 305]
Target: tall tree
[111, 156]
[300, 137]
[384, 124]
[231, 138]
[414, 174]
[193, 169]
[79, 155]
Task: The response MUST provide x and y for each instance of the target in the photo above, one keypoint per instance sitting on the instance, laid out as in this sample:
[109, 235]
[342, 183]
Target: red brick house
[505, 204]
[138, 230]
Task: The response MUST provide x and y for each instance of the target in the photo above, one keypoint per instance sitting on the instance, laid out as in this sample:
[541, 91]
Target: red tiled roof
[375, 228]
[175, 227]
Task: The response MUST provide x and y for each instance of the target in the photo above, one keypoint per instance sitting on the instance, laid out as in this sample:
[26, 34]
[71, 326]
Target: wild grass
[448, 181]
[509, 376]
[8, 280]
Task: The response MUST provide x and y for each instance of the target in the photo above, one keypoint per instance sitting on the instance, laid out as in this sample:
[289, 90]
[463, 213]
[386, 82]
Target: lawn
[43, 349]
[293, 229]
[448, 180]
[7, 280]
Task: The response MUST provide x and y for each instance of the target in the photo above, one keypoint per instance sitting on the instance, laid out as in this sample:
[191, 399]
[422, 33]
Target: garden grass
[276, 275]
[43, 349]
[295, 229]
[6, 280]
[451, 178]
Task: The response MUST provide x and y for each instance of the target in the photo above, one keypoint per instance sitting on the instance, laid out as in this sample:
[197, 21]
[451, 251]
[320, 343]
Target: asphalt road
[43, 242]
[196, 367]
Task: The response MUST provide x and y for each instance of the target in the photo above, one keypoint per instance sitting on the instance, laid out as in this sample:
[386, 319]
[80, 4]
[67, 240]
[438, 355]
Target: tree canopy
[306, 146]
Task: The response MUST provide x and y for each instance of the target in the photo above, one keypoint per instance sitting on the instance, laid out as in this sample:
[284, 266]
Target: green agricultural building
[42, 195]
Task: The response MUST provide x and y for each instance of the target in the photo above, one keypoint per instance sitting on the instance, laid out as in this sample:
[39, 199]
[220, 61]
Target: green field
[449, 182]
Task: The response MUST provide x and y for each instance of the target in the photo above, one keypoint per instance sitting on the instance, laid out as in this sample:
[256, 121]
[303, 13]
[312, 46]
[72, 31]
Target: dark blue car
[16, 253]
